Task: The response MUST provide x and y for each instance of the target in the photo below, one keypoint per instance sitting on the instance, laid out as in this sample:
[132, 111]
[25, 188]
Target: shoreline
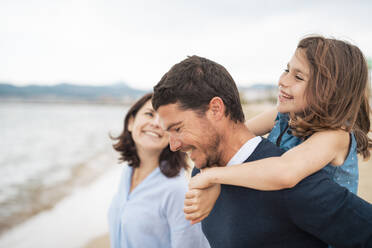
[72, 222]
[46, 198]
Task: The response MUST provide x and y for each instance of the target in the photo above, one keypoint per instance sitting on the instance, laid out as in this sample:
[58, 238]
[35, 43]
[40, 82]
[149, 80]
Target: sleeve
[183, 234]
[113, 214]
[330, 212]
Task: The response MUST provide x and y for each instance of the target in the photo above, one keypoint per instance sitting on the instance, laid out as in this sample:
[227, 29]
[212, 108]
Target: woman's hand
[199, 202]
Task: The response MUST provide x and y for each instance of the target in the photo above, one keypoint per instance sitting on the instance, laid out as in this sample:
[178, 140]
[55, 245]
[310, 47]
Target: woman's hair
[337, 92]
[170, 163]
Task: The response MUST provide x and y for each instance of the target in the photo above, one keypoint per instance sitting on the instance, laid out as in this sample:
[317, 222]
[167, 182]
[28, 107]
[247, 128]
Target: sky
[101, 42]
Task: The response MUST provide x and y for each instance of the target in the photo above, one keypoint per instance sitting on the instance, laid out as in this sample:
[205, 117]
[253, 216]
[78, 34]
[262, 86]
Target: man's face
[191, 133]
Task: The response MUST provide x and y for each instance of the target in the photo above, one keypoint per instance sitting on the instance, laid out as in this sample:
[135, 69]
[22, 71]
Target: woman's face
[145, 130]
[293, 83]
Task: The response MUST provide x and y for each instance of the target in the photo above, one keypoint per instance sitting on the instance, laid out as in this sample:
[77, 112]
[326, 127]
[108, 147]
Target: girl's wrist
[212, 175]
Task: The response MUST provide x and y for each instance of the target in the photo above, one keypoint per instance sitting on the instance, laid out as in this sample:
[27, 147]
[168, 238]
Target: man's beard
[213, 159]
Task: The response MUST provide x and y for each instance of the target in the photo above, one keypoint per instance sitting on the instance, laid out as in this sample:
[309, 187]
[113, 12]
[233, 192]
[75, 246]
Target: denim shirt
[346, 175]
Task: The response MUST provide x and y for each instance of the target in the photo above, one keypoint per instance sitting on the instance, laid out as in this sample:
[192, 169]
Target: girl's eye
[299, 78]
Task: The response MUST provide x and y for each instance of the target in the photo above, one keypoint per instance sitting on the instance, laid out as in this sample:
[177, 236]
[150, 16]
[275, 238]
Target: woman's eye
[149, 114]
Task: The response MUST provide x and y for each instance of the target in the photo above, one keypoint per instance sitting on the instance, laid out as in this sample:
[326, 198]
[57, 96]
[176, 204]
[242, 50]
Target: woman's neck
[149, 161]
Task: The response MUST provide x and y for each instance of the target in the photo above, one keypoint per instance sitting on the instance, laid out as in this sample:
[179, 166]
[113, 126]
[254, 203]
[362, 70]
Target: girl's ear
[130, 124]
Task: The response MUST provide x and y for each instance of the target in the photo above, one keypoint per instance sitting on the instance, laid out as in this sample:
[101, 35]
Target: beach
[77, 218]
[57, 172]
[73, 222]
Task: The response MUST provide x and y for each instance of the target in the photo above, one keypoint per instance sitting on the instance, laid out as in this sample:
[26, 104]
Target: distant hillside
[258, 87]
[259, 93]
[65, 91]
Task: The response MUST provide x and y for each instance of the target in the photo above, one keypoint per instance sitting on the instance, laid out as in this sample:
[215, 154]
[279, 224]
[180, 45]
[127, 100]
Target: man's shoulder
[265, 149]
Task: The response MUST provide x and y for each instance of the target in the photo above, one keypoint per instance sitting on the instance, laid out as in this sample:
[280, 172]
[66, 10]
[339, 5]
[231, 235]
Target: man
[199, 105]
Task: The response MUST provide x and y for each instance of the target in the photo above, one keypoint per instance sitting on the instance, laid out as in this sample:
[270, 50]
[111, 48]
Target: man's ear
[216, 108]
[130, 124]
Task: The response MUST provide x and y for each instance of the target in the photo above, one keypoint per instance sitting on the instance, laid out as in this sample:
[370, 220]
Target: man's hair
[170, 163]
[193, 82]
[337, 92]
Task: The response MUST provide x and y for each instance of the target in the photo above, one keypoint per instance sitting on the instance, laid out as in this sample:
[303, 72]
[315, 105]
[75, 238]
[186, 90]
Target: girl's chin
[282, 109]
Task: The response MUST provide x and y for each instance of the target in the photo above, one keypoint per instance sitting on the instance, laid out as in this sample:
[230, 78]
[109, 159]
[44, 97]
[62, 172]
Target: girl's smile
[293, 83]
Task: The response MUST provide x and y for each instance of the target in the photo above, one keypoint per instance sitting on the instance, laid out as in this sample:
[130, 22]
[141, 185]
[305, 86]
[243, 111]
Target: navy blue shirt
[314, 213]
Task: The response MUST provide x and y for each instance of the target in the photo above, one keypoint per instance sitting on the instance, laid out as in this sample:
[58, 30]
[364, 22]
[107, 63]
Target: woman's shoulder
[176, 183]
[173, 190]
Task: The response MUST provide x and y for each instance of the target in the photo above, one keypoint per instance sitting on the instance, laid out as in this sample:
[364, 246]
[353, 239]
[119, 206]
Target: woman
[147, 210]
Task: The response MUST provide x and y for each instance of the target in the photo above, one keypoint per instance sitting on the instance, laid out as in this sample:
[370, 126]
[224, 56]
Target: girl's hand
[199, 202]
[201, 180]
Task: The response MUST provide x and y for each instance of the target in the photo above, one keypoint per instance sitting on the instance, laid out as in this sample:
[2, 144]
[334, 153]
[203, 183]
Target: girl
[321, 120]
[147, 209]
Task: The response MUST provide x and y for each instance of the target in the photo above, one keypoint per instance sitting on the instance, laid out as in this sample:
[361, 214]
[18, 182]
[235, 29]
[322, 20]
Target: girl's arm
[199, 202]
[263, 123]
[277, 173]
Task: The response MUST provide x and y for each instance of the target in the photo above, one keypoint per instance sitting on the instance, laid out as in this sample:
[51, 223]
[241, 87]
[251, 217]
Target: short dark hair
[170, 163]
[194, 82]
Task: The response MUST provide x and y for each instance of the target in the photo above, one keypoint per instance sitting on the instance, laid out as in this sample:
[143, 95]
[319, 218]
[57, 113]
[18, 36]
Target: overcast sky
[102, 42]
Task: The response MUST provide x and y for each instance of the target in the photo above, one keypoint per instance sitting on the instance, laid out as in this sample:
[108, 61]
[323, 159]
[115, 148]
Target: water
[47, 150]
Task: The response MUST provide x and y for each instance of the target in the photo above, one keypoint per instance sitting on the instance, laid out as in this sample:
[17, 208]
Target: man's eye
[178, 129]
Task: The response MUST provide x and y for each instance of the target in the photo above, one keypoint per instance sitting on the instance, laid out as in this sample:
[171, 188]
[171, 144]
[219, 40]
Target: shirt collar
[245, 151]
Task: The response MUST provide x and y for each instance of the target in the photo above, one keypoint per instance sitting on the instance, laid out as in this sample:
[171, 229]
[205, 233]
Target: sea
[50, 149]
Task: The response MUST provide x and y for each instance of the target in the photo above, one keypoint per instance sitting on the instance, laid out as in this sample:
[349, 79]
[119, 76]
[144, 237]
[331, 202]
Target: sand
[73, 222]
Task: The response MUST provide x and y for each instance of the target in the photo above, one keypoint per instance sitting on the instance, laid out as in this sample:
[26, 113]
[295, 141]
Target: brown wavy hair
[337, 92]
[170, 163]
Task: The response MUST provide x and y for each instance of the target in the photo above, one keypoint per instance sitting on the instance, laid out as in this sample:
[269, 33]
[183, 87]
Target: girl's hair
[337, 92]
[170, 163]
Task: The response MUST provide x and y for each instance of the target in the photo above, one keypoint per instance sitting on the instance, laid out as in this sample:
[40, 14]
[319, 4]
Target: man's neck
[232, 139]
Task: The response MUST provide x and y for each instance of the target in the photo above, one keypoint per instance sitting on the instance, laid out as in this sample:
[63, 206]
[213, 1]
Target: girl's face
[292, 84]
[145, 130]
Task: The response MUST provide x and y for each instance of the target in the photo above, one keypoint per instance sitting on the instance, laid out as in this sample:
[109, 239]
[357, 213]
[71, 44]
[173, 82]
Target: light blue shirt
[152, 214]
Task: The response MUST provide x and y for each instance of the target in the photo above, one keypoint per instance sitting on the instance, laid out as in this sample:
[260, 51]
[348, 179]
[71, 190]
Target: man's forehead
[170, 114]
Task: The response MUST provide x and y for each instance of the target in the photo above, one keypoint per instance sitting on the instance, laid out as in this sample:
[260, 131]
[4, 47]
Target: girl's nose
[283, 82]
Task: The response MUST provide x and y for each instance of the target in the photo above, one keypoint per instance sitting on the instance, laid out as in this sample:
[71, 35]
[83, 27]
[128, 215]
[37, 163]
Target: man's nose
[174, 143]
